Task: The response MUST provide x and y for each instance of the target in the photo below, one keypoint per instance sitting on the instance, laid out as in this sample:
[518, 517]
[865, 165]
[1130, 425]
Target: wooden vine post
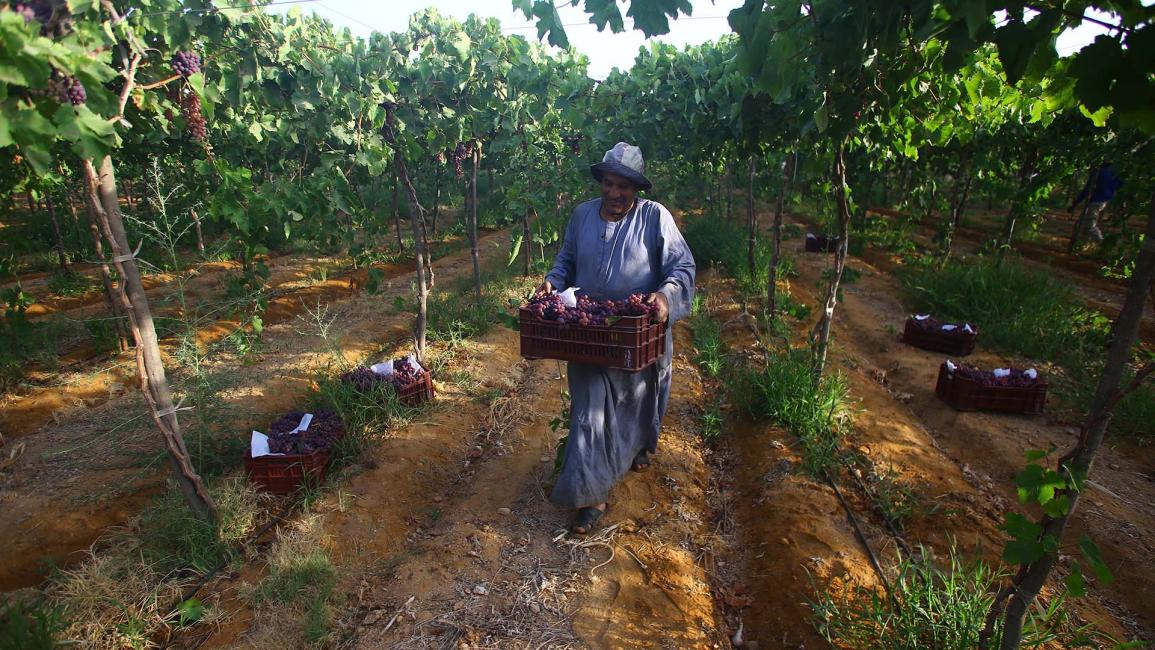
[417, 220]
[776, 239]
[820, 335]
[473, 249]
[101, 189]
[751, 218]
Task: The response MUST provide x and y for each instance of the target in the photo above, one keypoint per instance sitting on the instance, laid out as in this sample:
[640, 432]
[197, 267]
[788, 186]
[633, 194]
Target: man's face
[618, 194]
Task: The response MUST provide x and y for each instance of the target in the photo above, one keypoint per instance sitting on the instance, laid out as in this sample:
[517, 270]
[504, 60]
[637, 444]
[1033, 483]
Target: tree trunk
[1077, 229]
[419, 240]
[526, 241]
[197, 229]
[1079, 460]
[730, 192]
[149, 363]
[473, 251]
[105, 272]
[436, 197]
[58, 237]
[397, 211]
[820, 336]
[776, 239]
[962, 188]
[751, 222]
[1016, 208]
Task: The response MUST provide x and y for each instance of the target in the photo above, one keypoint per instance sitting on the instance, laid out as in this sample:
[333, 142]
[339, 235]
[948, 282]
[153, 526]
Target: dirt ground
[445, 537]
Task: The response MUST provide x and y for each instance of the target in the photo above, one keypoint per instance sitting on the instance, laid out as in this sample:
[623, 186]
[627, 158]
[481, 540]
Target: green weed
[69, 284]
[173, 538]
[367, 415]
[301, 587]
[786, 393]
[712, 423]
[710, 351]
[941, 608]
[1134, 414]
[28, 626]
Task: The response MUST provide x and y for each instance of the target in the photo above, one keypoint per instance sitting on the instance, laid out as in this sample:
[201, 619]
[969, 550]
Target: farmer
[1099, 190]
[616, 246]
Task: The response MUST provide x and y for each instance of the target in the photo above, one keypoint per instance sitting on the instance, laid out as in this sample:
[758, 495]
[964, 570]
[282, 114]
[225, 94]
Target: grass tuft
[816, 413]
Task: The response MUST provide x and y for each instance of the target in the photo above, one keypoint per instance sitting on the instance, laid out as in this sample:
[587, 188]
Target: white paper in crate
[385, 368]
[259, 444]
[569, 296]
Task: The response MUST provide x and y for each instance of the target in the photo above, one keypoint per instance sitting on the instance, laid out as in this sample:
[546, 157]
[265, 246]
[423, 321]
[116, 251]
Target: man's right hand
[545, 287]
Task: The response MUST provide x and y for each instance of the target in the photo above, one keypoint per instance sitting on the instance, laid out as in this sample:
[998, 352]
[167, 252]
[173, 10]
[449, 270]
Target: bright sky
[604, 49]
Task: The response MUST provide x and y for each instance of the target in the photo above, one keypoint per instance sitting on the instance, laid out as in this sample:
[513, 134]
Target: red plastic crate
[631, 343]
[285, 474]
[421, 390]
[958, 343]
[967, 395]
[821, 243]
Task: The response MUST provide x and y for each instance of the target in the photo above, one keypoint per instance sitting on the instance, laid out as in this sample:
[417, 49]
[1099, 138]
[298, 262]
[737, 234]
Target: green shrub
[28, 626]
[1134, 415]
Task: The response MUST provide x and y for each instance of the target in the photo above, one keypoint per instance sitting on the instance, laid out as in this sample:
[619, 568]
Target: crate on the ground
[298, 457]
[287, 473]
[958, 342]
[630, 343]
[965, 394]
[417, 392]
[821, 243]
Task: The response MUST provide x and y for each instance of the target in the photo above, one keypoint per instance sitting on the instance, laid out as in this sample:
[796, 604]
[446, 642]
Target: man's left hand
[659, 299]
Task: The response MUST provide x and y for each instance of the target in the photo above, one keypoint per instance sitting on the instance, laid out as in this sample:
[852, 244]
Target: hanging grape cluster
[186, 64]
[574, 140]
[38, 10]
[458, 156]
[549, 306]
[190, 108]
[67, 89]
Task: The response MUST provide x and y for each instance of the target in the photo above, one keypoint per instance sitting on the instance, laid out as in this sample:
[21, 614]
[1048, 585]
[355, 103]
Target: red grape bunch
[324, 430]
[462, 151]
[404, 373]
[190, 108]
[186, 64]
[574, 140]
[1017, 378]
[67, 89]
[38, 10]
[587, 311]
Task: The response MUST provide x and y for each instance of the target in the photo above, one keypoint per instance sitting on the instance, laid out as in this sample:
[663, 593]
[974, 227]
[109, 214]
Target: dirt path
[452, 531]
[98, 465]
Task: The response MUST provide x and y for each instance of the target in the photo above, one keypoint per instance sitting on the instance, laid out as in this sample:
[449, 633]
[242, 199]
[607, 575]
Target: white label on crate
[921, 316]
[950, 365]
[259, 446]
[1001, 372]
[569, 296]
[949, 328]
[306, 420]
[384, 369]
[1032, 373]
[968, 329]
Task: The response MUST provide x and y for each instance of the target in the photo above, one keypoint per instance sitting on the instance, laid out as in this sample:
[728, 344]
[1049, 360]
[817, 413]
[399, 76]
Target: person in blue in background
[1098, 191]
[616, 246]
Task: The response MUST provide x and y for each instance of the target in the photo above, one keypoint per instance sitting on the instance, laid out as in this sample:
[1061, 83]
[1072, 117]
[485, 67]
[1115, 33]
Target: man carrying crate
[616, 246]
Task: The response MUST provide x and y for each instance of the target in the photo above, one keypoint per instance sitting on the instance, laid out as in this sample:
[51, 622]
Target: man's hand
[545, 287]
[659, 299]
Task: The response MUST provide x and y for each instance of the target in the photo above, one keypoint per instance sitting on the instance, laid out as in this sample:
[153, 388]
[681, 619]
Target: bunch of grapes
[404, 373]
[38, 10]
[362, 379]
[458, 156]
[190, 108]
[439, 158]
[186, 64]
[574, 140]
[933, 325]
[67, 89]
[1017, 378]
[588, 311]
[324, 430]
